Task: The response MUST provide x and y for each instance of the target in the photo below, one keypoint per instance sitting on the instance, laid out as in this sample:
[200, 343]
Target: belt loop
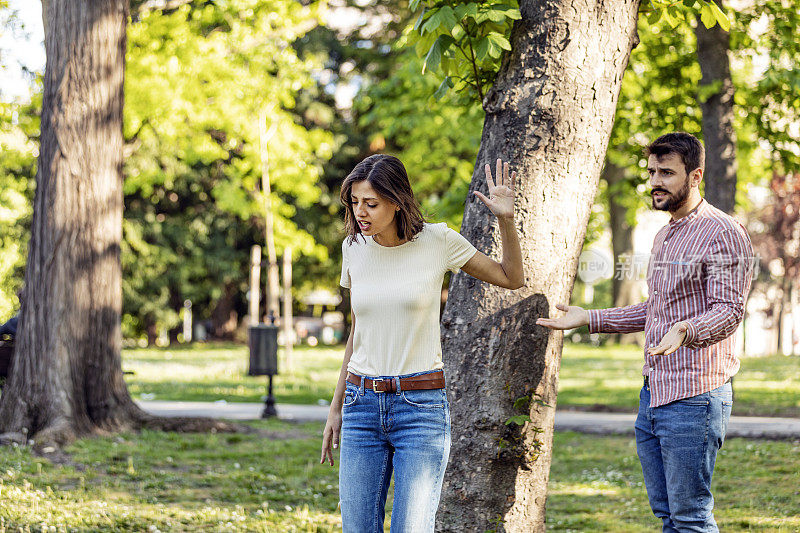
[397, 385]
[361, 388]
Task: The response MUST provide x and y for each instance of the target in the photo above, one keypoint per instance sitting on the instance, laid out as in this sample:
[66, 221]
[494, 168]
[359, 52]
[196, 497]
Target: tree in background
[777, 243]
[19, 130]
[716, 98]
[66, 379]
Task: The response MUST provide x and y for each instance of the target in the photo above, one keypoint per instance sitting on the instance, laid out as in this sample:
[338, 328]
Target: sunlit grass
[596, 484]
[219, 372]
[600, 378]
[270, 481]
[609, 378]
[175, 482]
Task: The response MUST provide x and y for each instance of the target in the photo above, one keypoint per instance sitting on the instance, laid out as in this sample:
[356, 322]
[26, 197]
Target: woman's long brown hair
[387, 175]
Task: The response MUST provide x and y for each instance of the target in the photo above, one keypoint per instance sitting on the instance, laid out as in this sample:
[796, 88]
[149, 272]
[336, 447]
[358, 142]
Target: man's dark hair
[685, 145]
[387, 175]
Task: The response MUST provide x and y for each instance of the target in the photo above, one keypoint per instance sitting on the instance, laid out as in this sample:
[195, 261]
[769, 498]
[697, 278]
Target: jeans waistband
[647, 381]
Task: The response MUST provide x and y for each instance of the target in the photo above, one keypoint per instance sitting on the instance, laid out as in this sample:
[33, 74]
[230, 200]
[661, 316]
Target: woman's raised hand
[501, 194]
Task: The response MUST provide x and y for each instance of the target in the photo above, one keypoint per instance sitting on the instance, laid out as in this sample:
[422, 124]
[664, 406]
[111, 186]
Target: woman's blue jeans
[407, 432]
[677, 445]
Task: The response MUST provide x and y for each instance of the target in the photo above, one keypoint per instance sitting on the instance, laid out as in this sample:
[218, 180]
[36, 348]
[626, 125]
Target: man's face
[669, 182]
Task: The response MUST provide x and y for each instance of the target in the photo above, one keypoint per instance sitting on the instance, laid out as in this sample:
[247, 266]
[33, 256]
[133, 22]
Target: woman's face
[374, 213]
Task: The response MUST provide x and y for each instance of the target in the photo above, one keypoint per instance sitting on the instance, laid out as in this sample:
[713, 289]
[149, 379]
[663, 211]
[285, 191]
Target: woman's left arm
[508, 272]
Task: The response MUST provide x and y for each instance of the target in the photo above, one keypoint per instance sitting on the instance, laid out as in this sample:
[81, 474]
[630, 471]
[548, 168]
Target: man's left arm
[729, 274]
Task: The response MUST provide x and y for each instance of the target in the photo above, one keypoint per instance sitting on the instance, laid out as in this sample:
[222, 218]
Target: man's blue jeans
[677, 445]
[408, 432]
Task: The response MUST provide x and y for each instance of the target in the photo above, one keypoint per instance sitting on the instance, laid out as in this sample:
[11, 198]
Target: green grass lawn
[608, 378]
[218, 371]
[593, 378]
[596, 484]
[154, 481]
[270, 481]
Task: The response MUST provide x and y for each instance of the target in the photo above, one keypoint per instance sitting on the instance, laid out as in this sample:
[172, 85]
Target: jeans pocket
[425, 399]
[725, 396]
[350, 396]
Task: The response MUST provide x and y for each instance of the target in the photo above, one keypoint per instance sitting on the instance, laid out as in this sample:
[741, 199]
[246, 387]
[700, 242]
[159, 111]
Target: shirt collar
[694, 213]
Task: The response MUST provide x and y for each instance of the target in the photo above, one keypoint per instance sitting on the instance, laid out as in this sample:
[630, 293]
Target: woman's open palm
[501, 193]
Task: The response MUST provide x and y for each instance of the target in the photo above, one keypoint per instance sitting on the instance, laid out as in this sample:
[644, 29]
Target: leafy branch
[680, 12]
[466, 41]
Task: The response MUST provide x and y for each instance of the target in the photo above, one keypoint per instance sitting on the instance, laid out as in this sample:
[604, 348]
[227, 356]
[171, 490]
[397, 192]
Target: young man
[698, 279]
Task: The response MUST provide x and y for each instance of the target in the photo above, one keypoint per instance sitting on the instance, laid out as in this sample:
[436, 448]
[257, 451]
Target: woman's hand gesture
[501, 194]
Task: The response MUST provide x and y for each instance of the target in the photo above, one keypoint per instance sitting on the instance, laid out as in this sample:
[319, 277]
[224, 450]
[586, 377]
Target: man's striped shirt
[700, 271]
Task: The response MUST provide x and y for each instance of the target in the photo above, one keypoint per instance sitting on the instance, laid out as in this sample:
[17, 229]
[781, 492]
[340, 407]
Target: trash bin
[263, 340]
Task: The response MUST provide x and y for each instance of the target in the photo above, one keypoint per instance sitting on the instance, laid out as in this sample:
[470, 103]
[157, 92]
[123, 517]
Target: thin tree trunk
[550, 113]
[224, 318]
[625, 289]
[718, 117]
[67, 378]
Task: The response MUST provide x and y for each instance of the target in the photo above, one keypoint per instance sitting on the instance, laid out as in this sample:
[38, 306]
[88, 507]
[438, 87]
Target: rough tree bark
[625, 289]
[67, 377]
[718, 130]
[550, 113]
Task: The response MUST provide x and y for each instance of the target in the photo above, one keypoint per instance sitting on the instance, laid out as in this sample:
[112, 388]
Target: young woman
[390, 406]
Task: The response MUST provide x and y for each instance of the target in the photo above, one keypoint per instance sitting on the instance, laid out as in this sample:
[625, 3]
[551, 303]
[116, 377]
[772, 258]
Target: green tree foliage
[437, 140]
[198, 78]
[465, 41]
[357, 53]
[769, 50]
[19, 130]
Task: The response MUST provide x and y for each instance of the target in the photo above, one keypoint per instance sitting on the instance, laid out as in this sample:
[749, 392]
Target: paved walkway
[584, 422]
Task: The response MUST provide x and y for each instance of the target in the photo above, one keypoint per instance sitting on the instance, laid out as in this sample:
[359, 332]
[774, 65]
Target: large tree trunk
[67, 377]
[550, 113]
[718, 130]
[624, 287]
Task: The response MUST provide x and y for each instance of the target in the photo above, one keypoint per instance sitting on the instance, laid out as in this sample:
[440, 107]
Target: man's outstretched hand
[575, 317]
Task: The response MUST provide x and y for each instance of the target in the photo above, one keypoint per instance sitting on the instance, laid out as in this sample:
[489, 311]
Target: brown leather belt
[434, 380]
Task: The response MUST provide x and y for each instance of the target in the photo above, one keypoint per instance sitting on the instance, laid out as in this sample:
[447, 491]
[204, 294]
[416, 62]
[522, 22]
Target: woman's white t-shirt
[395, 294]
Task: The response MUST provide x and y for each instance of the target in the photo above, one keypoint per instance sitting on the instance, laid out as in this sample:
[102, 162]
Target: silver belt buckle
[374, 381]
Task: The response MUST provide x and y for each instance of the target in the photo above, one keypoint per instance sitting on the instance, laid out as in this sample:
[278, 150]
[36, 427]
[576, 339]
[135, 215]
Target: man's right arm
[627, 319]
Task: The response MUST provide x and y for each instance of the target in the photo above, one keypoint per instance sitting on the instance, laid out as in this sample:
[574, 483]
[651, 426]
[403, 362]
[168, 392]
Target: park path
[582, 422]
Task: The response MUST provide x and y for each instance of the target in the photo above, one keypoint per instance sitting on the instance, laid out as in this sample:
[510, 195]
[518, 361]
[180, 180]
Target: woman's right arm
[330, 437]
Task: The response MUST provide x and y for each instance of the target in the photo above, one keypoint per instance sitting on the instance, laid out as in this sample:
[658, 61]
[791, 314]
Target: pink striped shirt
[699, 272]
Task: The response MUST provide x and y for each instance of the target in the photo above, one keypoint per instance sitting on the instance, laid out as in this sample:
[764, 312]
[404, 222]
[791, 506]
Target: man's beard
[675, 201]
